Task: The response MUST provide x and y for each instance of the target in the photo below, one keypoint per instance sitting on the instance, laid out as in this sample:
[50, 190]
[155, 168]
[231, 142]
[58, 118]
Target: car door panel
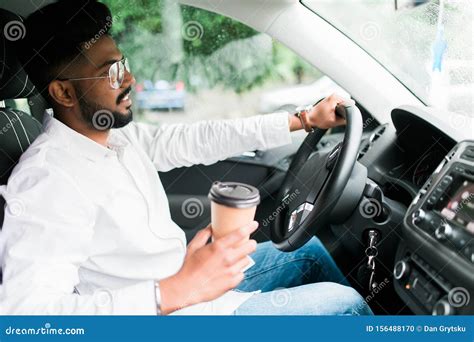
[187, 190]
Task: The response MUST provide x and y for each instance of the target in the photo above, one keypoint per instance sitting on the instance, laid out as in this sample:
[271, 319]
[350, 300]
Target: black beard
[92, 112]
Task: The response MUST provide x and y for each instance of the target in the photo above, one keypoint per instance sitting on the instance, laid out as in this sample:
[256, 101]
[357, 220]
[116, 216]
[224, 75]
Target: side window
[191, 64]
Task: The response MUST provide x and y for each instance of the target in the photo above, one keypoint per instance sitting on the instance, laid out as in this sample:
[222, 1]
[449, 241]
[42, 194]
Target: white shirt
[87, 229]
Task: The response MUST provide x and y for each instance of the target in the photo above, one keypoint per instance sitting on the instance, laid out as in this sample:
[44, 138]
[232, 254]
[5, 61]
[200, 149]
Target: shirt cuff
[138, 299]
[275, 129]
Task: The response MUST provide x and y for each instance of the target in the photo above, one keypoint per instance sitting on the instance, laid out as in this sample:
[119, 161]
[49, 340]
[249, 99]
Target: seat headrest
[14, 82]
[18, 131]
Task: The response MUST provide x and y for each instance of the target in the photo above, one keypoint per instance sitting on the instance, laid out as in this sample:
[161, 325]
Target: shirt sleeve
[45, 242]
[206, 142]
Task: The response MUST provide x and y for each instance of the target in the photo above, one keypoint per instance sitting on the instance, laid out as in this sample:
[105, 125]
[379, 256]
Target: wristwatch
[158, 298]
[299, 111]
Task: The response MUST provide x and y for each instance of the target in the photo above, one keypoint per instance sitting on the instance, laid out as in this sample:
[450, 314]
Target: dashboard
[434, 269]
[420, 166]
[426, 228]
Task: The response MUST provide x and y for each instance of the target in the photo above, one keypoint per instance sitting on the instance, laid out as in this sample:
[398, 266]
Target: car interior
[394, 204]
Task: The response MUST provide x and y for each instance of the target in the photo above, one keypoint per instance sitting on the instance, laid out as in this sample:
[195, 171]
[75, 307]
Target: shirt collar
[80, 144]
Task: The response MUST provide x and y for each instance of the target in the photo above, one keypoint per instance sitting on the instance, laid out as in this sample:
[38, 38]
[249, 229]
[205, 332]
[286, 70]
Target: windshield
[427, 45]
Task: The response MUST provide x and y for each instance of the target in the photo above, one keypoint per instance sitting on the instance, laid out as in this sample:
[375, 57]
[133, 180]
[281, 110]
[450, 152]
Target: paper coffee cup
[233, 206]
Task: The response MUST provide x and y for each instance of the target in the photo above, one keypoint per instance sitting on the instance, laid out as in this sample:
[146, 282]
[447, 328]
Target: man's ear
[63, 93]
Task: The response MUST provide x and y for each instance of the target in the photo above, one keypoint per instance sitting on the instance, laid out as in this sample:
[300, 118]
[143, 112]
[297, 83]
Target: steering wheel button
[305, 215]
[292, 222]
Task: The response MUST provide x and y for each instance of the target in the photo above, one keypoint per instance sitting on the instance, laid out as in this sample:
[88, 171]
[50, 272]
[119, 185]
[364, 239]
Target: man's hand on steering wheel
[322, 115]
[316, 180]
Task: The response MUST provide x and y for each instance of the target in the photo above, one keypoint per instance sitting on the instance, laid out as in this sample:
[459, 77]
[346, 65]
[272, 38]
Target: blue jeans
[304, 282]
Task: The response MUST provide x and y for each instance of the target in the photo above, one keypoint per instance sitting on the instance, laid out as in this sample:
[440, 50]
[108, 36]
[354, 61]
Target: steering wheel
[312, 186]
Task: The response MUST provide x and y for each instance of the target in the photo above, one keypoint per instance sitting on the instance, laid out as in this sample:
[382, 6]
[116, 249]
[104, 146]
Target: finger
[200, 239]
[344, 100]
[244, 249]
[240, 265]
[239, 234]
[337, 98]
[339, 121]
[237, 279]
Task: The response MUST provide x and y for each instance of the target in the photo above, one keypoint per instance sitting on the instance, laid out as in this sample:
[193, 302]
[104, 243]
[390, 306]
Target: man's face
[101, 105]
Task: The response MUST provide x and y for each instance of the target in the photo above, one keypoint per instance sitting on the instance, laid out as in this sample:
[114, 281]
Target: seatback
[17, 129]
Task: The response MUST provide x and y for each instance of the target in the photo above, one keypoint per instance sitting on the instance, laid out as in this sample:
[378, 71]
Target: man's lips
[125, 96]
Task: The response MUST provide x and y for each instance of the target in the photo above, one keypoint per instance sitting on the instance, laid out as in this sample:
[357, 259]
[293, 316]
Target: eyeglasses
[116, 74]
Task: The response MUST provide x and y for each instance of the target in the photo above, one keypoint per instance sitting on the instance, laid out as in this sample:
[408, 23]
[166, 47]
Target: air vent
[427, 185]
[451, 155]
[445, 160]
[423, 190]
[367, 143]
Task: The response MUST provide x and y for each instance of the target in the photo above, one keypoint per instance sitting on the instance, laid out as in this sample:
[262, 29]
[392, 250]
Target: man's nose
[129, 79]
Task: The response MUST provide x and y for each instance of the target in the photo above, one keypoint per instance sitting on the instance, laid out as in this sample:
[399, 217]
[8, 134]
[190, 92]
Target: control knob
[401, 270]
[442, 308]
